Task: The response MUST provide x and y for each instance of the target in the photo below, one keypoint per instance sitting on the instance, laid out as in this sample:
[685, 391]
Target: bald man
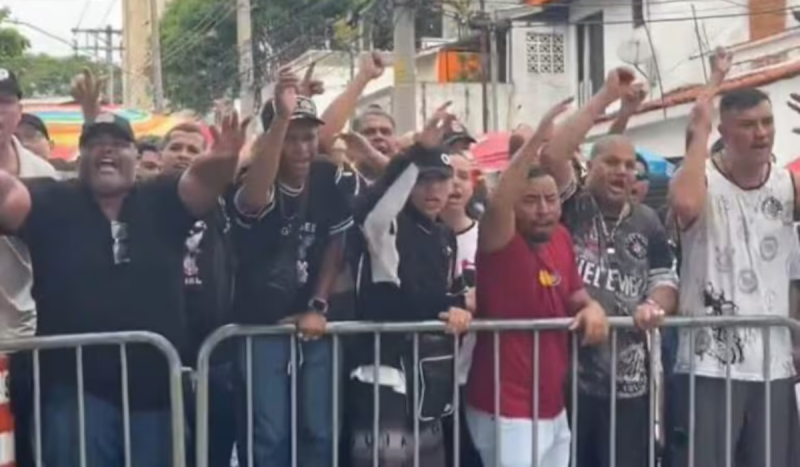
[625, 262]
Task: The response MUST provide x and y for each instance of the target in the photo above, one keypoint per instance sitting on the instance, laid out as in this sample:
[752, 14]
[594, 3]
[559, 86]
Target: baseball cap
[107, 123]
[306, 110]
[457, 133]
[36, 123]
[9, 83]
[434, 163]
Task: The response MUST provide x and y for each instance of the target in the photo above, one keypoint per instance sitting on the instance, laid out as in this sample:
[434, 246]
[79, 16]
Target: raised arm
[15, 203]
[631, 102]
[342, 108]
[497, 226]
[256, 192]
[206, 179]
[688, 191]
[378, 207]
[571, 134]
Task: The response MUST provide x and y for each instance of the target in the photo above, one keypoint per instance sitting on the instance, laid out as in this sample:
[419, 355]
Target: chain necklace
[608, 237]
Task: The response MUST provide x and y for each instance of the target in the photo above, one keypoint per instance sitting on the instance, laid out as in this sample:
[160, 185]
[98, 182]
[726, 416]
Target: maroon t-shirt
[520, 283]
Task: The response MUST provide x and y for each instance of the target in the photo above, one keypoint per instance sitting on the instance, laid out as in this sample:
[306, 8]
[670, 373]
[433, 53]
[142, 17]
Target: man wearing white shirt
[17, 308]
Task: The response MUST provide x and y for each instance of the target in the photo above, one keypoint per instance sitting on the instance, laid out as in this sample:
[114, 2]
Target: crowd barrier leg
[66, 406]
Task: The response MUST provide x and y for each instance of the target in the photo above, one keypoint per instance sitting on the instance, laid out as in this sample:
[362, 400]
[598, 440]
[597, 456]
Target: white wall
[667, 136]
[466, 98]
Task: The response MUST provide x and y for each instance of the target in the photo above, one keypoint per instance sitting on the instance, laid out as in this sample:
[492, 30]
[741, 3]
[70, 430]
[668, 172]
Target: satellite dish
[635, 51]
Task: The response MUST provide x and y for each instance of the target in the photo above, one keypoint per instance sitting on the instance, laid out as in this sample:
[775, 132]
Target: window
[544, 53]
[638, 13]
[591, 57]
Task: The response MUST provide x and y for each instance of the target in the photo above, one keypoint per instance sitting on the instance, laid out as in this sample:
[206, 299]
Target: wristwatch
[318, 305]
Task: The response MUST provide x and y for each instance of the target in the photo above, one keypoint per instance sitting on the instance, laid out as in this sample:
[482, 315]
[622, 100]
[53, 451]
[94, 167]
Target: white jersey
[736, 261]
[467, 249]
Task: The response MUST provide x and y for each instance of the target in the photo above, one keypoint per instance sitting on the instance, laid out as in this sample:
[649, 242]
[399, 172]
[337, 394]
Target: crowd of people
[310, 222]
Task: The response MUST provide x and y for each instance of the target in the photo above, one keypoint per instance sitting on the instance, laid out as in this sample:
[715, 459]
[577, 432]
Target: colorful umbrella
[491, 151]
[64, 123]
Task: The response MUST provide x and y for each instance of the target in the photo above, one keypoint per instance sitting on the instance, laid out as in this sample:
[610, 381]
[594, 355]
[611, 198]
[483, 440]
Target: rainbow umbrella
[64, 123]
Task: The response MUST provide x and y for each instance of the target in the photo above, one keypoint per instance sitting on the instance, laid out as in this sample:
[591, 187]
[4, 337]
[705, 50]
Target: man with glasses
[107, 254]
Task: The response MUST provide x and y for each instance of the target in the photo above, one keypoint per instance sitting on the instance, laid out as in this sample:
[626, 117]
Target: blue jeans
[151, 435]
[272, 424]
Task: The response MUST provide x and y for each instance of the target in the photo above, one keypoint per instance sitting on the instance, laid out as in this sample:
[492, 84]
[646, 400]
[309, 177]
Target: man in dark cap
[290, 222]
[33, 134]
[457, 139]
[107, 254]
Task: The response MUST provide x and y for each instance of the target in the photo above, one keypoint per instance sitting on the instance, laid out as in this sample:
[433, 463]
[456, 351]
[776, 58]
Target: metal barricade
[118, 339]
[339, 331]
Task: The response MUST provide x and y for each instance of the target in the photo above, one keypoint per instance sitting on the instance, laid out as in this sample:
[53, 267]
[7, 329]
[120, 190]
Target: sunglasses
[642, 177]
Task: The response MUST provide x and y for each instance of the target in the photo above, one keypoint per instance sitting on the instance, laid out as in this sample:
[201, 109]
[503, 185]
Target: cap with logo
[455, 134]
[107, 123]
[305, 110]
[36, 123]
[9, 83]
[434, 164]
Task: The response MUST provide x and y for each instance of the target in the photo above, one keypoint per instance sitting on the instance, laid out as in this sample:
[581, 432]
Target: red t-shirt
[520, 283]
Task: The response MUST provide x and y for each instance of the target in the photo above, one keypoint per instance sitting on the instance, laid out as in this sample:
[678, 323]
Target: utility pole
[155, 59]
[483, 22]
[404, 105]
[102, 40]
[244, 39]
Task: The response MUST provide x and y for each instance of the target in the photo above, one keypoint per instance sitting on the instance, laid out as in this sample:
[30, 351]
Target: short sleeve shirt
[520, 283]
[96, 275]
[620, 262]
[305, 220]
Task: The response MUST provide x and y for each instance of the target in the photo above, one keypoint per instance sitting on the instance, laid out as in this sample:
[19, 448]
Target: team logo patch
[772, 208]
[636, 246]
[445, 159]
[549, 279]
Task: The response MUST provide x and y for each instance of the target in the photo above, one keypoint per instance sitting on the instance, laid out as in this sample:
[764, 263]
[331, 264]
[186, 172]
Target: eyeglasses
[119, 232]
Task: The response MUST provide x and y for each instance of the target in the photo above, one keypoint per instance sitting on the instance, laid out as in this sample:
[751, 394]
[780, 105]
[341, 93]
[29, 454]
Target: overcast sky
[59, 17]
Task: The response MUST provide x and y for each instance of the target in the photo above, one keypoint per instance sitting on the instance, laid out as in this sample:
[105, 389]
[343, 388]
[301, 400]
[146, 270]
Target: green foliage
[12, 43]
[199, 54]
[45, 76]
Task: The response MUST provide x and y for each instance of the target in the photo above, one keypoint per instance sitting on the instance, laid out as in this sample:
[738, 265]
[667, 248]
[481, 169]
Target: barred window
[544, 52]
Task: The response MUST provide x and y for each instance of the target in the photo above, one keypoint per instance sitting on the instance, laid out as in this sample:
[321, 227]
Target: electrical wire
[83, 13]
[107, 14]
[65, 41]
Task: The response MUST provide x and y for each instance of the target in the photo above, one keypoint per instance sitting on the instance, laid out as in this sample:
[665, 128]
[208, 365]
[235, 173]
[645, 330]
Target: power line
[108, 11]
[83, 13]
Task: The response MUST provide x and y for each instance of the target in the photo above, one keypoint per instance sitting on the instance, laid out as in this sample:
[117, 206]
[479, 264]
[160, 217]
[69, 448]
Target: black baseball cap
[455, 134]
[107, 123]
[306, 110]
[434, 163]
[36, 123]
[9, 83]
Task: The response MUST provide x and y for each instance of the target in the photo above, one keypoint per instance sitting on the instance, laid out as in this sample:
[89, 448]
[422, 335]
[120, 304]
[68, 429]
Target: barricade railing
[341, 330]
[123, 340]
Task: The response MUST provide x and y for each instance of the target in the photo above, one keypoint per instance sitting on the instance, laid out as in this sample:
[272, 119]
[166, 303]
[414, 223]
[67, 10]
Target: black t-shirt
[280, 251]
[208, 268]
[620, 261]
[94, 275]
